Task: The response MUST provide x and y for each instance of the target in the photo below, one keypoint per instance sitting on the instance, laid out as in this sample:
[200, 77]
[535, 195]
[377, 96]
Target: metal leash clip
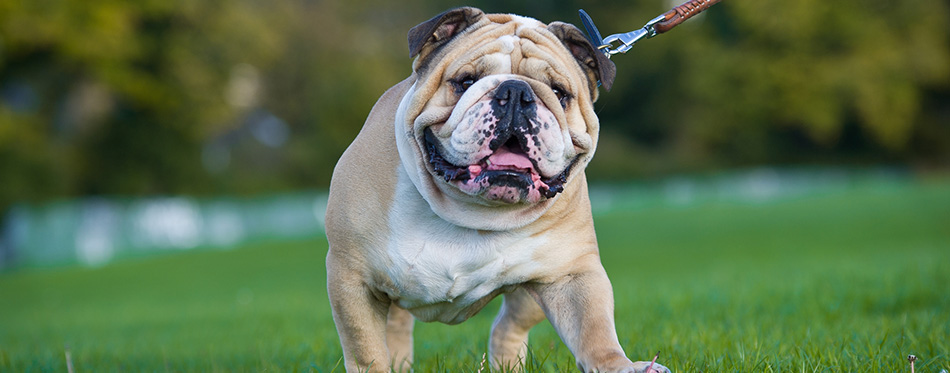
[627, 40]
[658, 25]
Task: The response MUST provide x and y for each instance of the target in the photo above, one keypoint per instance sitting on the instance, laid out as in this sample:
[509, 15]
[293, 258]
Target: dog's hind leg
[399, 324]
[508, 344]
[359, 315]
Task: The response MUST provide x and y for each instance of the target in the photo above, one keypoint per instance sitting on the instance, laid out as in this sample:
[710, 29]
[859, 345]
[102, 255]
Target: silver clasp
[627, 40]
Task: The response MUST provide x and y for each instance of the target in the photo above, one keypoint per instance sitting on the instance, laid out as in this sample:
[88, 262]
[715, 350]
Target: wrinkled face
[511, 118]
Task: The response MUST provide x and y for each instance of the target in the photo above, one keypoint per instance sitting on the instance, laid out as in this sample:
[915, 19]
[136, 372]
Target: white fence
[94, 231]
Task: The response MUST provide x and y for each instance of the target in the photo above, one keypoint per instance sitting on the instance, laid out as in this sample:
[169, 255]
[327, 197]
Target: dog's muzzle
[510, 173]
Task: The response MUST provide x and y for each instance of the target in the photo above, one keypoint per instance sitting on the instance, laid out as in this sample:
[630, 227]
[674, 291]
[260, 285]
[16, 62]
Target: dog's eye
[562, 96]
[463, 83]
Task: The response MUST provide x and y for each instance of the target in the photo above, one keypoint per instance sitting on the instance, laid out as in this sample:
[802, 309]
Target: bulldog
[467, 182]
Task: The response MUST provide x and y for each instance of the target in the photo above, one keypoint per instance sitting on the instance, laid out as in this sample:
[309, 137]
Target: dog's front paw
[645, 367]
[621, 364]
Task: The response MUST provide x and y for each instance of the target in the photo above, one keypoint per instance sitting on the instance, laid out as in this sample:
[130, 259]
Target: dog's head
[501, 112]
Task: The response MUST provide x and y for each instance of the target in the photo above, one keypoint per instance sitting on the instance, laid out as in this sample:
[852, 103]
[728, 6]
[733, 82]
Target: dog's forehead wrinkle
[496, 63]
[508, 43]
[515, 35]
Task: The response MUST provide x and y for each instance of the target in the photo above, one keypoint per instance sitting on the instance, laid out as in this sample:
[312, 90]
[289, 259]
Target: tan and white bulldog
[466, 182]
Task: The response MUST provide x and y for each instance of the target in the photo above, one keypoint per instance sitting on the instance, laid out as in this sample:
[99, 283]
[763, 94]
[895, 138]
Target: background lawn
[848, 279]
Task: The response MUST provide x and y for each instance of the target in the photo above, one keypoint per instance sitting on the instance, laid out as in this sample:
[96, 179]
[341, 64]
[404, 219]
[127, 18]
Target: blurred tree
[104, 96]
[767, 82]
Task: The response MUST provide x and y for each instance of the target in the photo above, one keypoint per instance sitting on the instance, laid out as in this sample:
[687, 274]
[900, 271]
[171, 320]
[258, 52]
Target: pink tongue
[504, 157]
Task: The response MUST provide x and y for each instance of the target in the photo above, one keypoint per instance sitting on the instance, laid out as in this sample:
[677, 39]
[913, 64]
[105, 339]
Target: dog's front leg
[360, 317]
[580, 306]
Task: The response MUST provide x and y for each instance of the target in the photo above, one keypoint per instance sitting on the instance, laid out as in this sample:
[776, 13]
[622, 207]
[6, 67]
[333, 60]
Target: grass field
[852, 279]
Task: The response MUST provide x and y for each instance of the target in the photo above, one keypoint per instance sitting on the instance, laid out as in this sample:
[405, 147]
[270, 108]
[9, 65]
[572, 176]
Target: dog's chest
[440, 271]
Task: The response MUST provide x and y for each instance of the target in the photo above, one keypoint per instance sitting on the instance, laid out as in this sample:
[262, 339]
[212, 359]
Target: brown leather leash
[665, 22]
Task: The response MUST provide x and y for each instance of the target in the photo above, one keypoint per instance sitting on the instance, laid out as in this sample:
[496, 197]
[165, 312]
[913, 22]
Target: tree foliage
[790, 82]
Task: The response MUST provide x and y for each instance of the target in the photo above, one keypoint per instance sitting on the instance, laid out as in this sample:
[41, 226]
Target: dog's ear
[594, 62]
[441, 28]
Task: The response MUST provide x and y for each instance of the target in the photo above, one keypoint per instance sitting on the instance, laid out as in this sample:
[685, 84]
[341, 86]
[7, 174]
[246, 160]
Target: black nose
[514, 92]
[513, 104]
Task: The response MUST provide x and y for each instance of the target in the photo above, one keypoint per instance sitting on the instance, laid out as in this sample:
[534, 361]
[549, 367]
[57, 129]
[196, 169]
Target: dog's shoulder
[360, 189]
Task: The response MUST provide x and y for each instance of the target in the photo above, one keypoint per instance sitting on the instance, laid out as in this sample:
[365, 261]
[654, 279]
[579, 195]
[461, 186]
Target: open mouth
[507, 168]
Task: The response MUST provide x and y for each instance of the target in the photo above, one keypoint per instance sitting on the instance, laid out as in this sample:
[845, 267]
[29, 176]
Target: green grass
[847, 280]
